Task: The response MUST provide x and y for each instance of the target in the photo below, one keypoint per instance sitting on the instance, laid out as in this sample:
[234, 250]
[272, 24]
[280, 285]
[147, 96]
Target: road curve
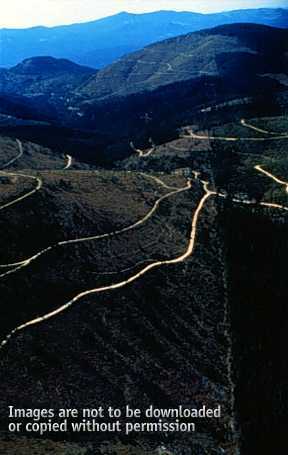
[69, 161]
[259, 168]
[193, 135]
[274, 206]
[131, 279]
[20, 148]
[270, 205]
[26, 262]
[134, 225]
[271, 176]
[30, 193]
[142, 153]
[17, 174]
[259, 130]
[155, 264]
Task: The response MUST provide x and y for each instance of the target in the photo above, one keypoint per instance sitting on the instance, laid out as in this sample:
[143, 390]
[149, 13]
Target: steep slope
[101, 42]
[164, 338]
[117, 346]
[239, 50]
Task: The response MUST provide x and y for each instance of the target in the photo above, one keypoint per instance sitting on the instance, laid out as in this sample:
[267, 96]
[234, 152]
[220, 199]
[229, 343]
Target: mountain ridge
[150, 13]
[211, 52]
[43, 76]
[98, 43]
[49, 64]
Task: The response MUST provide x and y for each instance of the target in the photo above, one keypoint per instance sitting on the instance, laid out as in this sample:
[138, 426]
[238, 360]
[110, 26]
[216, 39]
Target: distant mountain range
[101, 42]
[211, 65]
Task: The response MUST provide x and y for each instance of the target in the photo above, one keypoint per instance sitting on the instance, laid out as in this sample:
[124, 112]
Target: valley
[143, 216]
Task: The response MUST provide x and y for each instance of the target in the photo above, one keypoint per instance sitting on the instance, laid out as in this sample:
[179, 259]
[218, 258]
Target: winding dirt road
[20, 148]
[270, 205]
[142, 153]
[155, 264]
[26, 262]
[259, 168]
[271, 176]
[30, 193]
[260, 130]
[193, 135]
[131, 279]
[18, 174]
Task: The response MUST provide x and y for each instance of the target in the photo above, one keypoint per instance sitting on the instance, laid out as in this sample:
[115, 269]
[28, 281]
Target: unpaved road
[131, 279]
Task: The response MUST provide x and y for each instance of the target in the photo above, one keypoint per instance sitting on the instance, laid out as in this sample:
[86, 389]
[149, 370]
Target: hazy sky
[26, 13]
